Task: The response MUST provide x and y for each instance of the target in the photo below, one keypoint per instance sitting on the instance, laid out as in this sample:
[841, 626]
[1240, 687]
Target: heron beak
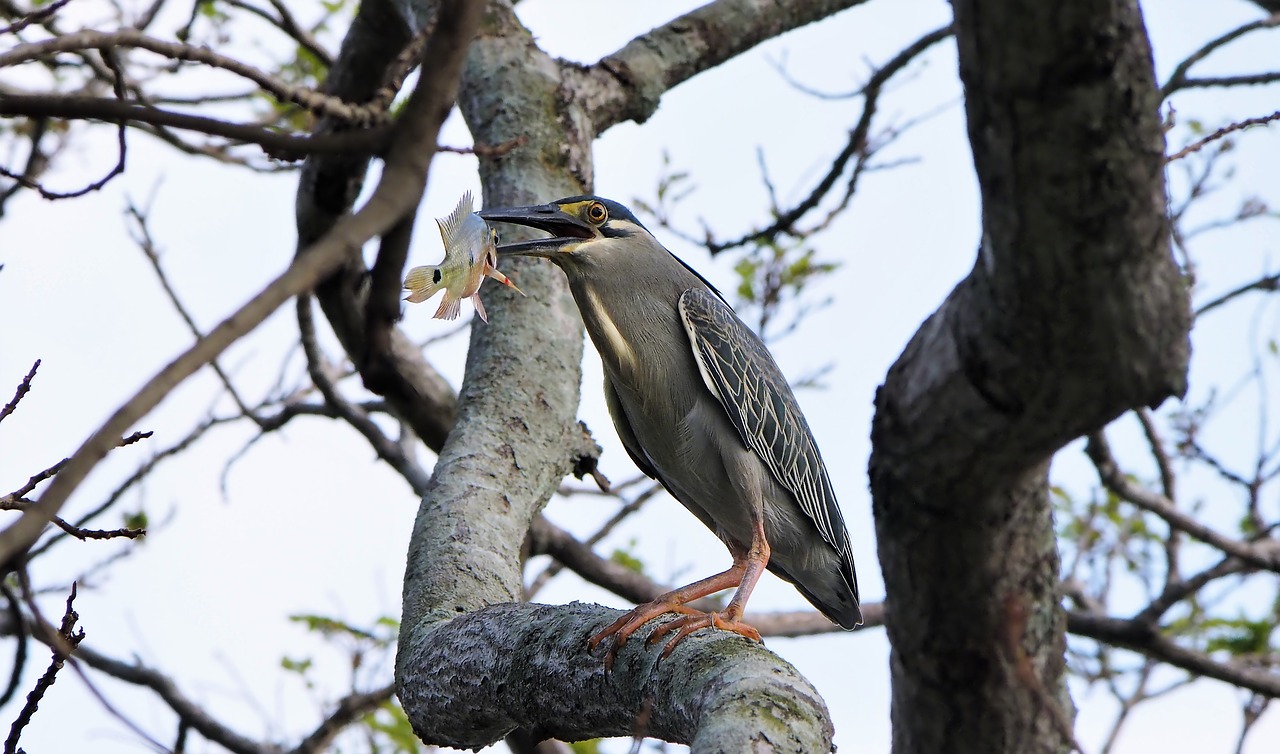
[567, 231]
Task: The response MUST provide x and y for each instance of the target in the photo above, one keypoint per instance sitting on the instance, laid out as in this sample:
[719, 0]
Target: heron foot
[687, 624]
[630, 622]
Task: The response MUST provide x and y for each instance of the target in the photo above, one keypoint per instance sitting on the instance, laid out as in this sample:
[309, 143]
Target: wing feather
[744, 378]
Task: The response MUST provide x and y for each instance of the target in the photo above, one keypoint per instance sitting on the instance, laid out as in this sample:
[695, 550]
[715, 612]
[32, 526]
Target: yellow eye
[596, 213]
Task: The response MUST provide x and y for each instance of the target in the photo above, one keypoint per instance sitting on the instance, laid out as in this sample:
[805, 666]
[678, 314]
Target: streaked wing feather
[754, 393]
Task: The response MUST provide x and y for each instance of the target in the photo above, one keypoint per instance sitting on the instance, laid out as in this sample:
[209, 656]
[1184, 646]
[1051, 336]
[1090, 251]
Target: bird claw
[622, 628]
[688, 622]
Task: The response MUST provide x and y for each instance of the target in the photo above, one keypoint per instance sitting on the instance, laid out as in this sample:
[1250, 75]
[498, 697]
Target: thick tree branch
[1074, 312]
[507, 666]
[628, 84]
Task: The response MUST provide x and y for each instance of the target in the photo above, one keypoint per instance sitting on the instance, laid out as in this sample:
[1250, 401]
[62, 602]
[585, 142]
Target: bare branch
[629, 83]
[1256, 79]
[286, 23]
[1267, 283]
[23, 388]
[1146, 639]
[70, 639]
[147, 244]
[350, 709]
[1177, 79]
[1264, 555]
[189, 711]
[386, 448]
[19, 632]
[53, 470]
[856, 146]
[33, 17]
[280, 145]
[305, 97]
[1221, 132]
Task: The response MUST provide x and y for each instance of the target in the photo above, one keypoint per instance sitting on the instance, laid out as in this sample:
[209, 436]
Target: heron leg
[753, 563]
[746, 570]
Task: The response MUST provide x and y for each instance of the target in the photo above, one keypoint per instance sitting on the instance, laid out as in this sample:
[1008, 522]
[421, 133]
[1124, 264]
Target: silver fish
[470, 255]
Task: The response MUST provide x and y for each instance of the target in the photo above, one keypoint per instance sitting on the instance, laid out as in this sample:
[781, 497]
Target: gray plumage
[698, 401]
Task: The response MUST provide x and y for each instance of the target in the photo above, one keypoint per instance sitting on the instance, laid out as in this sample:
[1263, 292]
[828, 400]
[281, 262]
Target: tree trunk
[1073, 313]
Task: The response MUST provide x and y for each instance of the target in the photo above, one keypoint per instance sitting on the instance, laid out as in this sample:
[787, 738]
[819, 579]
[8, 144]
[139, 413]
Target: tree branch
[1264, 554]
[1178, 79]
[628, 84]
[309, 99]
[1147, 640]
[280, 145]
[717, 692]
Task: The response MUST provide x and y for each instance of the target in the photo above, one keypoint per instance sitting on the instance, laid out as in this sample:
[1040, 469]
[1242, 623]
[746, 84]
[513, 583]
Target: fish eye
[596, 213]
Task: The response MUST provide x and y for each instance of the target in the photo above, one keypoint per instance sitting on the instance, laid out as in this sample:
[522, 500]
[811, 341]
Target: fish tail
[484, 316]
[451, 226]
[450, 307]
[422, 283]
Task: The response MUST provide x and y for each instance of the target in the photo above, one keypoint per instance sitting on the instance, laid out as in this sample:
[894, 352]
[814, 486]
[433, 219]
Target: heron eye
[596, 213]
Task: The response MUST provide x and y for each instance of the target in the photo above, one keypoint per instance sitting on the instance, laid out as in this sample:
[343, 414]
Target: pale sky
[313, 523]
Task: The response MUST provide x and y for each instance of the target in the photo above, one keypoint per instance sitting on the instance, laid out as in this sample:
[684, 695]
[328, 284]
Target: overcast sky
[312, 523]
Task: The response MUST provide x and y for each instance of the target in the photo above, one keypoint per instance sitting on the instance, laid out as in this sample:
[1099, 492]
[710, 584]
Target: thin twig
[1196, 146]
[71, 639]
[385, 447]
[35, 16]
[282, 146]
[856, 144]
[52, 471]
[1178, 78]
[147, 244]
[20, 635]
[304, 97]
[1267, 283]
[1258, 555]
[23, 388]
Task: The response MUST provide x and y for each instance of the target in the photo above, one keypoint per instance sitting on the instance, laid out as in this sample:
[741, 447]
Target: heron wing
[744, 378]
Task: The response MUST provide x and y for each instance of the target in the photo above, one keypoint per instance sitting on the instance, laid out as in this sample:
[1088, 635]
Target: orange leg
[744, 573]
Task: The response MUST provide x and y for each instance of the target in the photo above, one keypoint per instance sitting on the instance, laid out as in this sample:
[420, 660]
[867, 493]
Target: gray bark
[1073, 313]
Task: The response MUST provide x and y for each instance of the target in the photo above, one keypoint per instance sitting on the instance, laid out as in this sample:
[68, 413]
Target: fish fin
[421, 282]
[493, 273]
[452, 225]
[450, 306]
[475, 300]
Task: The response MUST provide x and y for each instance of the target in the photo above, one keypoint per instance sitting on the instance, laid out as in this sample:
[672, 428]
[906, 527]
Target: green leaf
[136, 520]
[296, 666]
[390, 721]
